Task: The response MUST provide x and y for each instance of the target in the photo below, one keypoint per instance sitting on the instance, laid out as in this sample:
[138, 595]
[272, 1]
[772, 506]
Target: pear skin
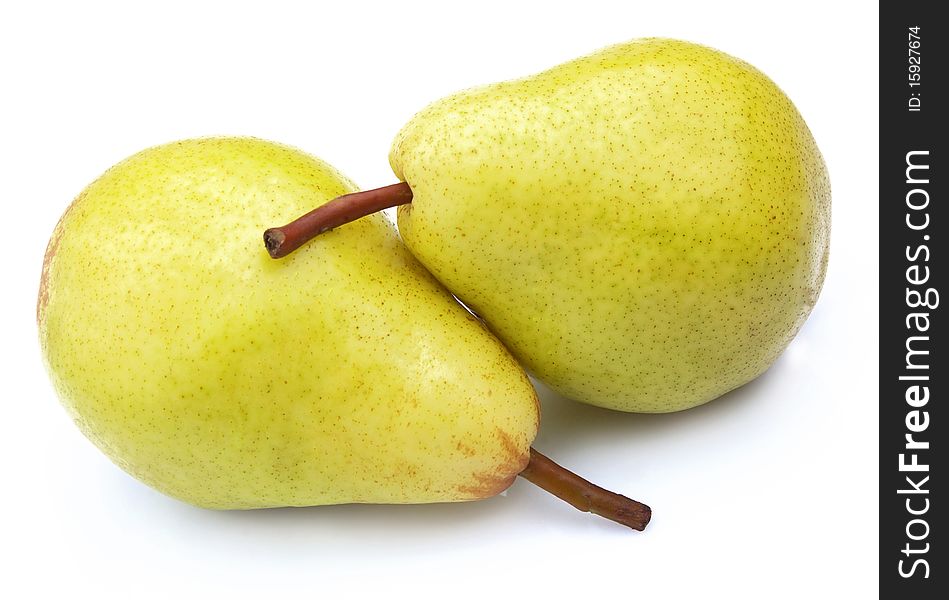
[645, 228]
[345, 373]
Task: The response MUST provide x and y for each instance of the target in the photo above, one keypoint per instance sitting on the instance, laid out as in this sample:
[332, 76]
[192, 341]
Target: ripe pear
[645, 228]
[346, 374]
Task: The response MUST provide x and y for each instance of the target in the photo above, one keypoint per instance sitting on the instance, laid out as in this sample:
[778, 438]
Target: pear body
[344, 373]
[645, 228]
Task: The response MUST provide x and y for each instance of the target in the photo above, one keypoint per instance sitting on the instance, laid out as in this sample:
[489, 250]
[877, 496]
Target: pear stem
[281, 241]
[583, 495]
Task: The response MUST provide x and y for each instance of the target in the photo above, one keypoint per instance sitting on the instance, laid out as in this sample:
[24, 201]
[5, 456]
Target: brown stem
[281, 241]
[583, 495]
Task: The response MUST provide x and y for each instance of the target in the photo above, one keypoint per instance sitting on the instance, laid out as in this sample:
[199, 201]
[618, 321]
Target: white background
[770, 492]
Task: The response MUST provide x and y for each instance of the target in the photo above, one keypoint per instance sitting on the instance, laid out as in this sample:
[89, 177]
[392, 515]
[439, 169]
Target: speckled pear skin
[645, 228]
[343, 373]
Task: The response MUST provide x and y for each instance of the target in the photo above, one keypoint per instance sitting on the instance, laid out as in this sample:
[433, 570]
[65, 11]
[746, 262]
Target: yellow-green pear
[645, 228]
[344, 374]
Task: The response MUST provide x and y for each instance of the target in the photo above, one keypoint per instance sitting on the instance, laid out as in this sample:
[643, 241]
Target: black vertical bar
[912, 228]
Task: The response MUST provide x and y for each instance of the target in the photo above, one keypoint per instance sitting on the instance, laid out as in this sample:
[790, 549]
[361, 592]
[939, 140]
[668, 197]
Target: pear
[645, 228]
[345, 374]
